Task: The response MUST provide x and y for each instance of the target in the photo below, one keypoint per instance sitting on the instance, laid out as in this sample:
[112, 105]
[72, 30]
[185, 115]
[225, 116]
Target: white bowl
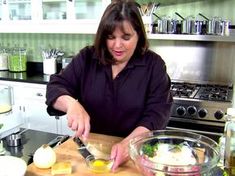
[10, 165]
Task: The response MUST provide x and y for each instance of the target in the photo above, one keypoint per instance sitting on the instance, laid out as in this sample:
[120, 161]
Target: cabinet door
[20, 9]
[64, 129]
[34, 107]
[54, 9]
[1, 9]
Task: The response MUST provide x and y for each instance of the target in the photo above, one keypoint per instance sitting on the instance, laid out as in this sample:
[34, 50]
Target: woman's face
[122, 44]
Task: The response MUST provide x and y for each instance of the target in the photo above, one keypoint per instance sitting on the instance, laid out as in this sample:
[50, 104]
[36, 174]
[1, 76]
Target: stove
[200, 107]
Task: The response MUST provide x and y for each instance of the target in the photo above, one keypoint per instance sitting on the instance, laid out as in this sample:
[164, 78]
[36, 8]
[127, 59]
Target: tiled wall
[72, 43]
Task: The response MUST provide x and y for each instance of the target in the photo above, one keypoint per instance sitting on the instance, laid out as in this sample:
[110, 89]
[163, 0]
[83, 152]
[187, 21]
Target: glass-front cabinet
[54, 9]
[1, 10]
[19, 9]
[51, 16]
[88, 9]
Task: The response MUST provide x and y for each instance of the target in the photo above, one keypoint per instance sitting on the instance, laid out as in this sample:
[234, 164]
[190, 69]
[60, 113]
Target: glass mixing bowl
[174, 153]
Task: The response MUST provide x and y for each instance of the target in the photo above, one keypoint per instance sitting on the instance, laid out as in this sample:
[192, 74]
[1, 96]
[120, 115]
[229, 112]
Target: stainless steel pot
[14, 139]
[173, 26]
[162, 25]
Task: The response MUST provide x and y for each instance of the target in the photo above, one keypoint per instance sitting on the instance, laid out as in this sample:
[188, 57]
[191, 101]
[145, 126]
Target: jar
[229, 154]
[5, 99]
[3, 60]
[17, 61]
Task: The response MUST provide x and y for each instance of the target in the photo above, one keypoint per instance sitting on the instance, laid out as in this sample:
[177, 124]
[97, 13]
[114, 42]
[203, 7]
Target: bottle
[229, 154]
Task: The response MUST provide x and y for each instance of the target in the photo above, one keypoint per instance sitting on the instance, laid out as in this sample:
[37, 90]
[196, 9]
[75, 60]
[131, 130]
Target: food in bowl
[174, 153]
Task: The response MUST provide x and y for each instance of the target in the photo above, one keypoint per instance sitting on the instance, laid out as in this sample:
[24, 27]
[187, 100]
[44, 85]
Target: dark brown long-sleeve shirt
[138, 96]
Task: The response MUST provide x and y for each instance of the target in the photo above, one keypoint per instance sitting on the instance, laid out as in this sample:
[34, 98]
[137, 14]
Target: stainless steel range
[200, 107]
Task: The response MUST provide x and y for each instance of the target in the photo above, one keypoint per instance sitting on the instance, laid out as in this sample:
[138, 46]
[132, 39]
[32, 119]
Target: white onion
[44, 157]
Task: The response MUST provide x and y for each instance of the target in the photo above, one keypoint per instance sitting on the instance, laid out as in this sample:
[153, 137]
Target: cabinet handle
[39, 94]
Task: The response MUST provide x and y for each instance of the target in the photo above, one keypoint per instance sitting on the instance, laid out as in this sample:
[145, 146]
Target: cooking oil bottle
[230, 142]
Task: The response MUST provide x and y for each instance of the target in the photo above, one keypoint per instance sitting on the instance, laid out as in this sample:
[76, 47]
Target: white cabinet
[51, 16]
[29, 99]
[29, 102]
[64, 129]
[33, 103]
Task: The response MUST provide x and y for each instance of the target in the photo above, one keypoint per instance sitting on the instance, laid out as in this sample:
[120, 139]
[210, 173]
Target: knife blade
[83, 149]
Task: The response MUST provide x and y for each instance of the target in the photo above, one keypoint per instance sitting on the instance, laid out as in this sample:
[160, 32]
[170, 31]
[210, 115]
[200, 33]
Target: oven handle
[195, 131]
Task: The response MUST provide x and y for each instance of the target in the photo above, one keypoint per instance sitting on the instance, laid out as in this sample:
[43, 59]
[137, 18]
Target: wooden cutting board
[68, 152]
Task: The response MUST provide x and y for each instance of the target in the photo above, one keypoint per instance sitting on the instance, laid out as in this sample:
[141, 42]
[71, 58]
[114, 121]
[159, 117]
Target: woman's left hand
[119, 154]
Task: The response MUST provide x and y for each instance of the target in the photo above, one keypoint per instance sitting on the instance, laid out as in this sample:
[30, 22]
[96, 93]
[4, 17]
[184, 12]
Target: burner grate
[183, 90]
[202, 92]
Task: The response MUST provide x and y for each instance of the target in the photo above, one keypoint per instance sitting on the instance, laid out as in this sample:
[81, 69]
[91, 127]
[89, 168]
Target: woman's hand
[78, 118]
[119, 154]
[120, 151]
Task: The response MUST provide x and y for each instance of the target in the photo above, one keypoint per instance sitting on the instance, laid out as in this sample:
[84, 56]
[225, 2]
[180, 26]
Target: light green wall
[69, 43]
[72, 43]
[210, 8]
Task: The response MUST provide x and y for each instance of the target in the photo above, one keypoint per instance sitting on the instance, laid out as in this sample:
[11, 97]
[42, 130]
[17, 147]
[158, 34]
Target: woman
[117, 86]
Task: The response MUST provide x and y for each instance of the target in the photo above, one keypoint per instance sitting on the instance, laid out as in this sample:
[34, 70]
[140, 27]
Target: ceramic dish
[11, 165]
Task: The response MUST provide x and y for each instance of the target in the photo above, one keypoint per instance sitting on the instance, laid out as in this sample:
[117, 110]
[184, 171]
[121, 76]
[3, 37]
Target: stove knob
[202, 113]
[219, 114]
[192, 110]
[181, 111]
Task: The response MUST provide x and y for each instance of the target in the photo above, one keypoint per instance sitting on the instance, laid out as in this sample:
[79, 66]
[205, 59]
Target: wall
[69, 43]
[204, 61]
[210, 8]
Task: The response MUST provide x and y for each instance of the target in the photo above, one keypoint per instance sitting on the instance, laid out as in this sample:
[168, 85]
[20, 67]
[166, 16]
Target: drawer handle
[39, 94]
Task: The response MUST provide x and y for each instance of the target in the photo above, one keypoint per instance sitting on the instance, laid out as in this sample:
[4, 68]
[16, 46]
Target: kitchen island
[68, 152]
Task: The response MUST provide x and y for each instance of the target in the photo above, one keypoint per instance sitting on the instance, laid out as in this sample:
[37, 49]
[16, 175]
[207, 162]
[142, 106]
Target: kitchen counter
[68, 152]
[30, 141]
[34, 74]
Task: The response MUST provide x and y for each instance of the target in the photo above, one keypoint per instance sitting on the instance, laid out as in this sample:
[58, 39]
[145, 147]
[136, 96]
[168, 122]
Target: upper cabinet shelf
[168, 2]
[51, 16]
[214, 38]
[77, 17]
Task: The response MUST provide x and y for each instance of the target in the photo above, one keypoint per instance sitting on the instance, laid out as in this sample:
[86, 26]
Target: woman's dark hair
[114, 16]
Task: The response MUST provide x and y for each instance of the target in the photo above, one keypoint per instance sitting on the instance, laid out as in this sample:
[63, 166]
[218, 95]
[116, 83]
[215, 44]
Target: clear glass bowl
[174, 153]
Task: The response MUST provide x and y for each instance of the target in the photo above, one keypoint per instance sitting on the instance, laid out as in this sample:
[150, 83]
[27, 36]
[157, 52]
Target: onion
[44, 157]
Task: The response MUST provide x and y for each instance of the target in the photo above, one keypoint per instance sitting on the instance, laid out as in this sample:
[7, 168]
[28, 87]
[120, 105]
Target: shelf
[53, 1]
[168, 2]
[214, 38]
[50, 26]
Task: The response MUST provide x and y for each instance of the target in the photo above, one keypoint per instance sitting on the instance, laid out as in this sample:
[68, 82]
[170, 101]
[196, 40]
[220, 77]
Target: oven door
[214, 130]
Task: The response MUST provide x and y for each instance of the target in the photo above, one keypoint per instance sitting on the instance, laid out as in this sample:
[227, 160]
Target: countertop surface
[34, 74]
[67, 151]
[39, 78]
[30, 141]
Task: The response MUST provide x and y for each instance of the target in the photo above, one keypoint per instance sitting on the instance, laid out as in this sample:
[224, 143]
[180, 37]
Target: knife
[58, 140]
[83, 149]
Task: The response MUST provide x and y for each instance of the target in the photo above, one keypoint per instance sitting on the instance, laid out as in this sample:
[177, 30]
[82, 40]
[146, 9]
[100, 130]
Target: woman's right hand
[78, 118]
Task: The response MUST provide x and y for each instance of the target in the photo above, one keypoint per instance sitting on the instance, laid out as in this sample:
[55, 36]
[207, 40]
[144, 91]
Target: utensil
[14, 139]
[83, 149]
[58, 140]
[96, 165]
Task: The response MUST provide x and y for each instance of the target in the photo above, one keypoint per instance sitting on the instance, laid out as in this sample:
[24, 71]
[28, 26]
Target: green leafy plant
[149, 149]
